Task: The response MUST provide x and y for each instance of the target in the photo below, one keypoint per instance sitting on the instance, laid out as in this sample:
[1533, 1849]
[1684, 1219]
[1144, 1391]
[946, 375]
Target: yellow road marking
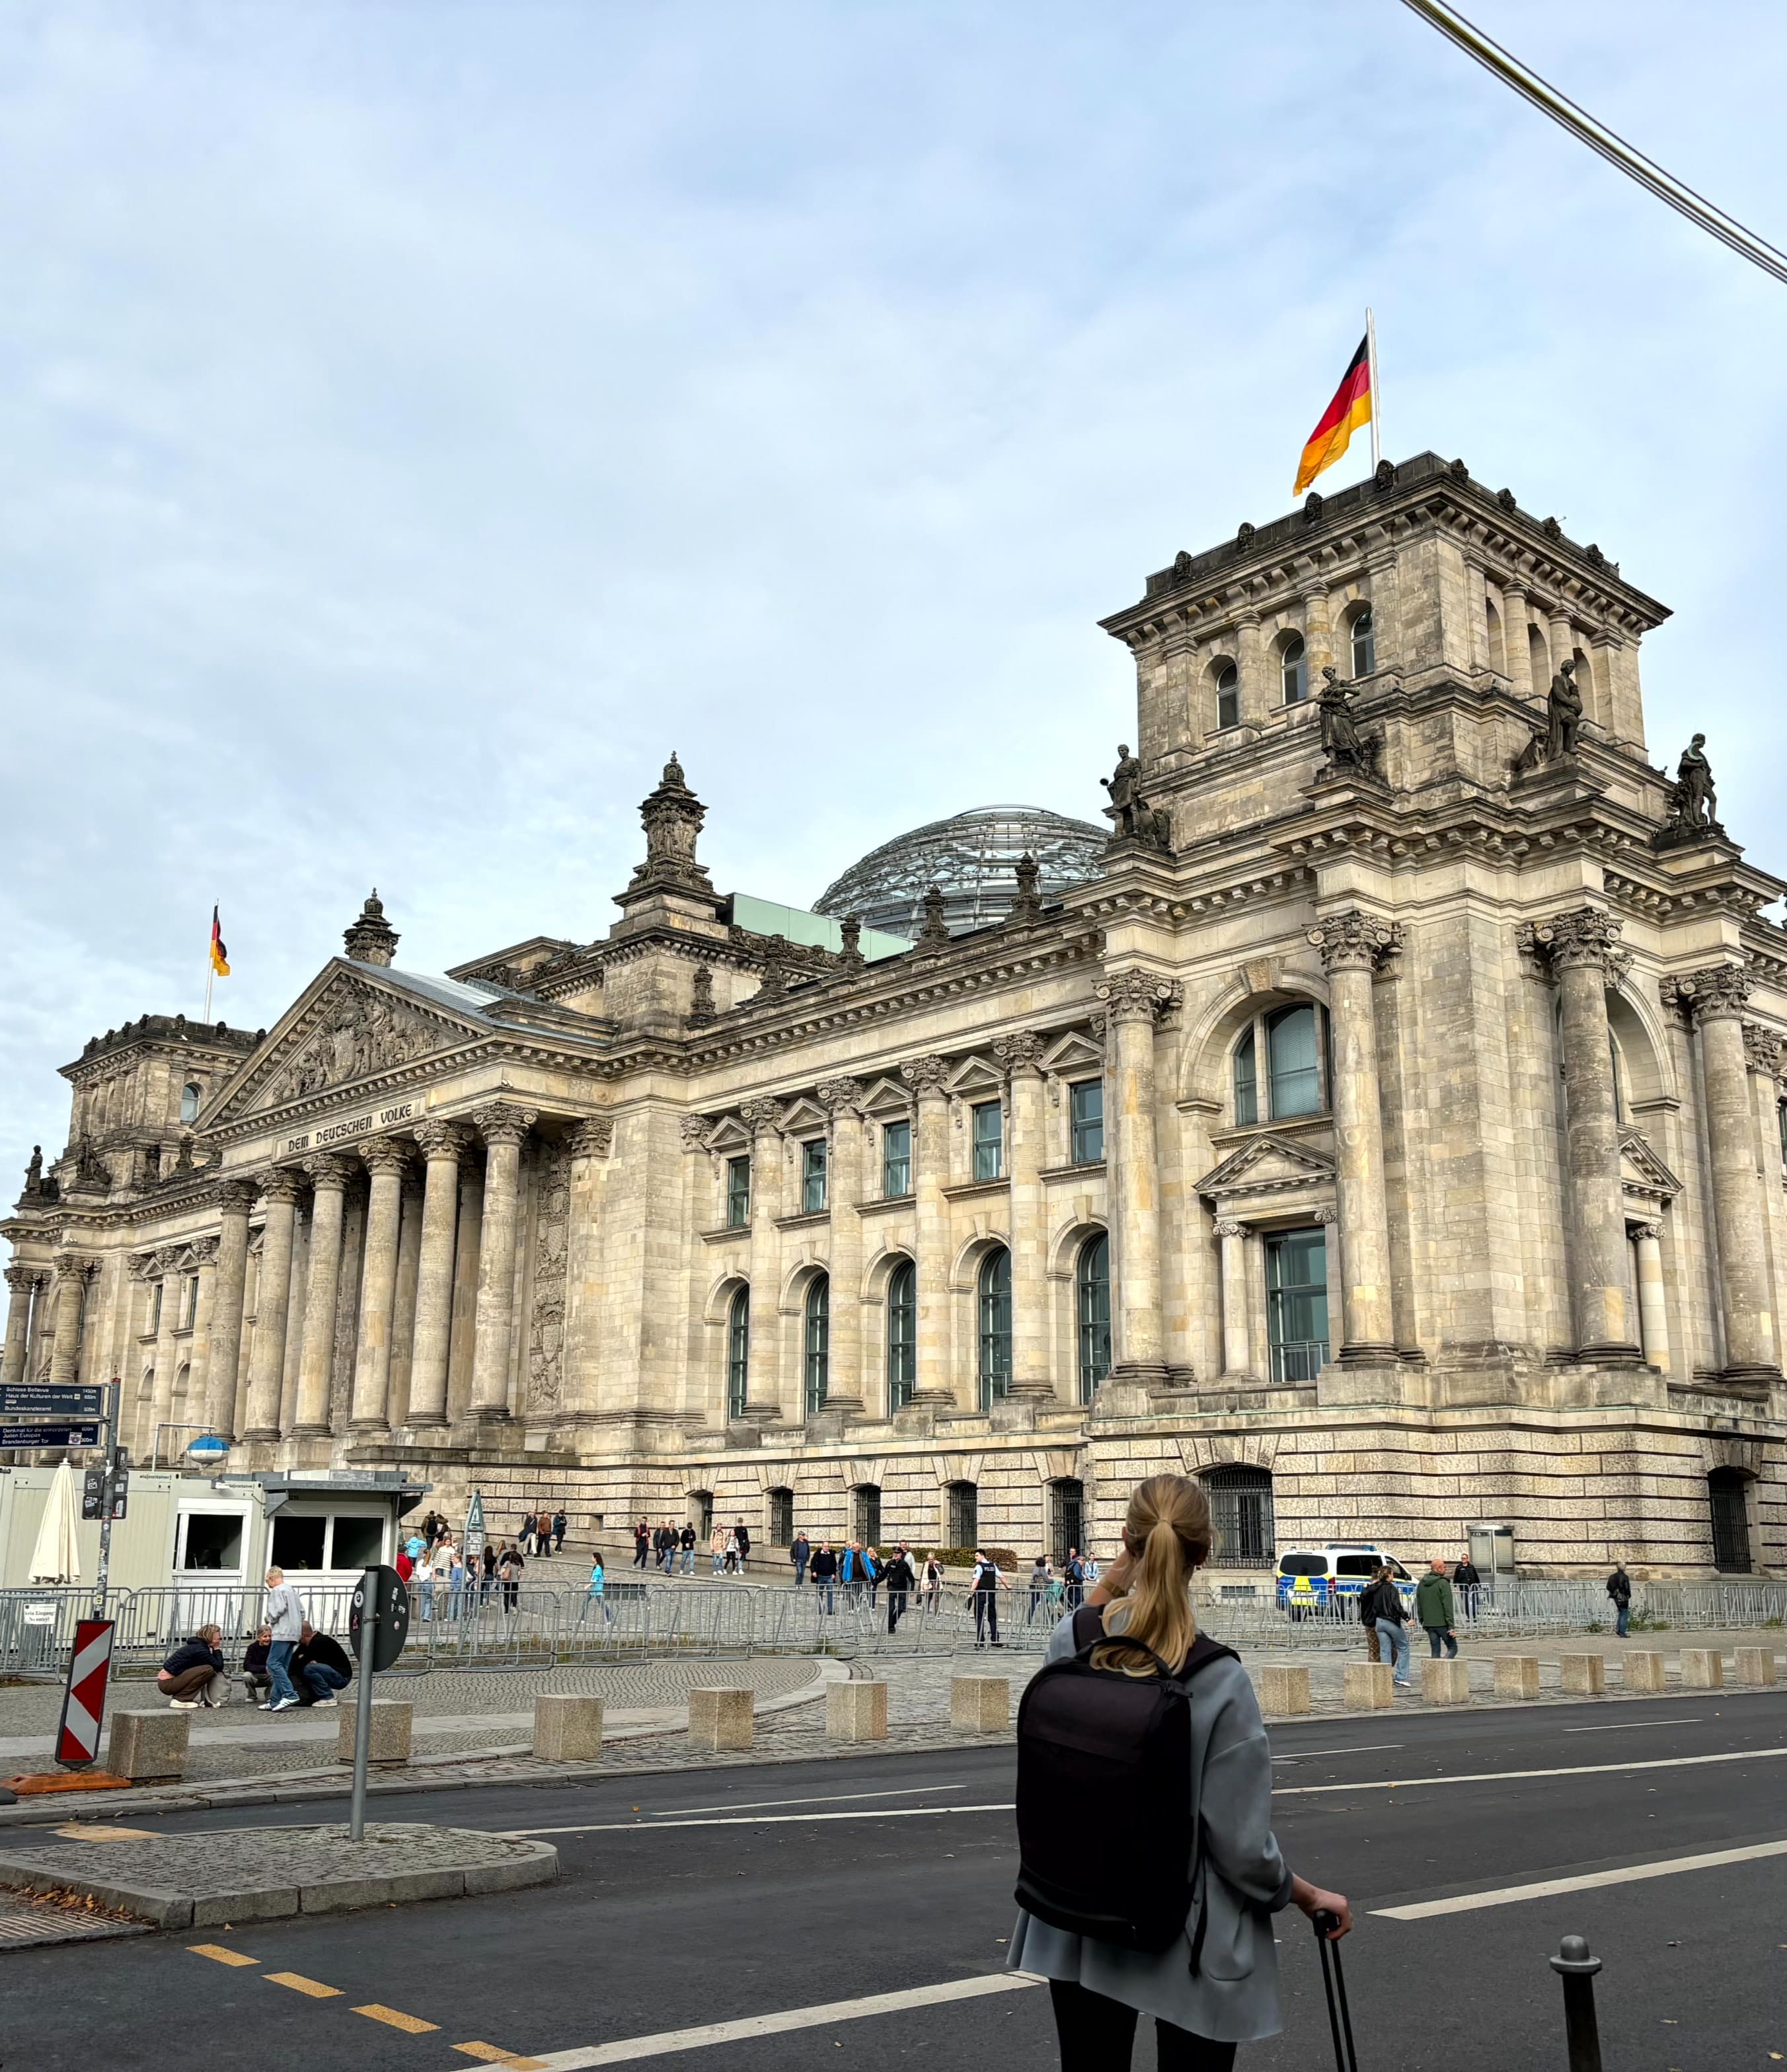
[412, 2025]
[490, 2055]
[79, 1831]
[300, 1984]
[219, 1954]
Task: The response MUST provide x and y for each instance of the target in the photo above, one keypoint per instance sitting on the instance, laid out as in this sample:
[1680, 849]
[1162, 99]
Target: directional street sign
[84, 1703]
[475, 1532]
[61, 1433]
[30, 1401]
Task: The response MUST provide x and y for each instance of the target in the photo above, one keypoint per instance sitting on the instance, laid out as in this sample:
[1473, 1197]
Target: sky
[419, 416]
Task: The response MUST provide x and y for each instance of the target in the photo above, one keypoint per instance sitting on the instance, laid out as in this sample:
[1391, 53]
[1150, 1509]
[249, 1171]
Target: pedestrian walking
[824, 1577]
[933, 1583]
[741, 1533]
[1380, 1607]
[523, 1532]
[983, 1594]
[1619, 1588]
[642, 1545]
[455, 1587]
[1434, 1606]
[686, 1540]
[560, 1525]
[1039, 1589]
[729, 1553]
[488, 1580]
[800, 1554]
[897, 1579]
[597, 1593]
[284, 1611]
[1075, 1578]
[509, 1574]
[1468, 1585]
[194, 1674]
[1229, 1993]
[871, 1572]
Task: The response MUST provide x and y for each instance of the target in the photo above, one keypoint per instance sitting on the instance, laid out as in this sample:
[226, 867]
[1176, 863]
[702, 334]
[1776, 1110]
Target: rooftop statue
[1563, 711]
[1693, 803]
[1132, 818]
[1345, 747]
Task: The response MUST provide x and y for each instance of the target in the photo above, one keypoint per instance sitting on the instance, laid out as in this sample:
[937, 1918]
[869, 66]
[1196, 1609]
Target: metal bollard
[1574, 1965]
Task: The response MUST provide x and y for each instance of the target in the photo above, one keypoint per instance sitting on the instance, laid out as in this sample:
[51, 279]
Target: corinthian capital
[283, 1183]
[440, 1139]
[234, 1198]
[1138, 996]
[502, 1124]
[1021, 1053]
[762, 1117]
[1721, 991]
[1355, 940]
[72, 1267]
[329, 1171]
[1763, 1047]
[20, 1276]
[388, 1154]
[592, 1139]
[838, 1096]
[925, 1076]
[1583, 936]
[205, 1251]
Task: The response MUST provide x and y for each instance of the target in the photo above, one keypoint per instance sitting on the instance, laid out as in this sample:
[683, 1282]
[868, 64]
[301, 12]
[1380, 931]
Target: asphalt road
[701, 1899]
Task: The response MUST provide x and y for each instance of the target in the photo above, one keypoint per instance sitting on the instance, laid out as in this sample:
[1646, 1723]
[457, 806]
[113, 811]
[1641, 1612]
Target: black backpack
[1107, 1827]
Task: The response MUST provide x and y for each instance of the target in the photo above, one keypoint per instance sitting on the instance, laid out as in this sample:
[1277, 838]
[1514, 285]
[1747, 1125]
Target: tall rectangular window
[738, 1354]
[964, 1514]
[989, 1121]
[897, 1160]
[738, 1193]
[1086, 1121]
[813, 1177]
[1296, 1304]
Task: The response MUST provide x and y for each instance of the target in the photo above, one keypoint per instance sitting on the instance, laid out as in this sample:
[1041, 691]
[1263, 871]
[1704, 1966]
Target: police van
[1315, 1579]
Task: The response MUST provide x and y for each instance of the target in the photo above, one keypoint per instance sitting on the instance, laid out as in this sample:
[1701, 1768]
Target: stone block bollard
[1284, 1689]
[566, 1728]
[387, 1732]
[980, 1704]
[1642, 1670]
[722, 1716]
[1369, 1686]
[1583, 1675]
[148, 1747]
[1445, 1682]
[1756, 1665]
[1703, 1669]
[1516, 1675]
[856, 1712]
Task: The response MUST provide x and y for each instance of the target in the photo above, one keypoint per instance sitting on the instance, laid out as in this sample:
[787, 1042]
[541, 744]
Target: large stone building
[1387, 1128]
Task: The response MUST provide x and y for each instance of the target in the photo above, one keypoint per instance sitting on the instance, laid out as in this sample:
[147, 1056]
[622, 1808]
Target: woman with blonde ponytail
[1215, 1984]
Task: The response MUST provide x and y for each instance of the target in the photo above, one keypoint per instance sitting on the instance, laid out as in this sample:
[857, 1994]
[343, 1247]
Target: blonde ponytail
[1167, 1533]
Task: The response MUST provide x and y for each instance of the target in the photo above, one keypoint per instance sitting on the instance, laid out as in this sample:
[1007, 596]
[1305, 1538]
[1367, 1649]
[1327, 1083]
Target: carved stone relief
[546, 1328]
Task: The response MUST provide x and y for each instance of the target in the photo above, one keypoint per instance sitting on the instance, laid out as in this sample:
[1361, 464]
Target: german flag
[1351, 408]
[219, 957]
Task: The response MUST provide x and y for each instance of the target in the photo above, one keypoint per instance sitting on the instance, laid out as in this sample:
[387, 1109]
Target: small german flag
[219, 957]
[1351, 407]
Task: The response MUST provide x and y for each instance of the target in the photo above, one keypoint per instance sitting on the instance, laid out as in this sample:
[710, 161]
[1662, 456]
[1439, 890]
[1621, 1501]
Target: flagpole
[210, 947]
[1371, 357]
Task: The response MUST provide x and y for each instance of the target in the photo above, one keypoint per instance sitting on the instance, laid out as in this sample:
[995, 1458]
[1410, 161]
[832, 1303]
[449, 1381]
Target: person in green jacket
[1434, 1608]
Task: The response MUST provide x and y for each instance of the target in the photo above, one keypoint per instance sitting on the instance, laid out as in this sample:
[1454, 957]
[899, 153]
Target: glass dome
[973, 858]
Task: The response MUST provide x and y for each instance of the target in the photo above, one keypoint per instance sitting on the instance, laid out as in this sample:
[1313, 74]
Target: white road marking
[1631, 1726]
[1366, 1748]
[824, 1799]
[632, 2047]
[668, 1826]
[1549, 1888]
[1510, 1776]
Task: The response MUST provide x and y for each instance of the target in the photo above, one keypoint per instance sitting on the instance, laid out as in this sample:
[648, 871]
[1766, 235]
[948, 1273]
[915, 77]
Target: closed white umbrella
[56, 1557]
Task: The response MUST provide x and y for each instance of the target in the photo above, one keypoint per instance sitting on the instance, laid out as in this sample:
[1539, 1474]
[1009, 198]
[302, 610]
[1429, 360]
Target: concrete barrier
[148, 1747]
[1641, 1669]
[1516, 1675]
[1756, 1665]
[856, 1712]
[1284, 1689]
[1370, 1685]
[1583, 1675]
[1703, 1669]
[566, 1728]
[980, 1704]
[721, 1717]
[1445, 1682]
[387, 1732]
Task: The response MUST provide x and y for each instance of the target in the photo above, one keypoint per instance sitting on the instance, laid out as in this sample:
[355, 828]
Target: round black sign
[390, 1602]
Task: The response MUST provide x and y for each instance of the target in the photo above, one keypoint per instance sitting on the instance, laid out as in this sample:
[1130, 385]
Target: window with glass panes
[897, 1160]
[738, 1193]
[738, 1352]
[813, 1177]
[1296, 1304]
[1086, 1122]
[1364, 644]
[989, 1139]
[994, 1292]
[1293, 667]
[1092, 1278]
[817, 1341]
[964, 1514]
[1240, 1511]
[1228, 695]
[1293, 1043]
[902, 1333]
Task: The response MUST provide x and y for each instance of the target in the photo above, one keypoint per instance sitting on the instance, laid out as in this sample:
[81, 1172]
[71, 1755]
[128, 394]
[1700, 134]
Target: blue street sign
[26, 1399]
[63, 1434]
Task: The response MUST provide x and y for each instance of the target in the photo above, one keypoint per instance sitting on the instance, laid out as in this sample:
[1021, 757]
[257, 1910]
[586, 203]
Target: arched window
[1293, 663]
[1727, 1494]
[1228, 690]
[1293, 1043]
[738, 1352]
[1092, 1279]
[818, 1342]
[1364, 644]
[902, 1333]
[191, 1095]
[1241, 1510]
[995, 1326]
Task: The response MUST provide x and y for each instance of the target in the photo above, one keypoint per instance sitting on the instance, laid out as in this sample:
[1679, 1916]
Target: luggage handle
[1339, 2016]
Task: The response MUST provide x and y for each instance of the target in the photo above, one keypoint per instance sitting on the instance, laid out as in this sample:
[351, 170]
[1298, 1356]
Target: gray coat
[1232, 1996]
[284, 1611]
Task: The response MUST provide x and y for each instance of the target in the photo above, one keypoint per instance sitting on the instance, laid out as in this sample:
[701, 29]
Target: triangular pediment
[728, 1135]
[887, 1098]
[1641, 1168]
[348, 1026]
[1073, 1053]
[803, 1118]
[975, 1075]
[1264, 1164]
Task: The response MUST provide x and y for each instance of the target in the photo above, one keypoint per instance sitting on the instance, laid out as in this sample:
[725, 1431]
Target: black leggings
[1098, 2035]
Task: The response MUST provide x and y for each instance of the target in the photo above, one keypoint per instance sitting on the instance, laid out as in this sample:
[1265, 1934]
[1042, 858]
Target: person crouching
[194, 1674]
[320, 1668]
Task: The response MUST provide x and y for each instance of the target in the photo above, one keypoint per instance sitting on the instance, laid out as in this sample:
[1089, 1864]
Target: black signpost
[377, 1623]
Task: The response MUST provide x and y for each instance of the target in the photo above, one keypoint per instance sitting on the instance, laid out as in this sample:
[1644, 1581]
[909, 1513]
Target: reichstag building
[1377, 1112]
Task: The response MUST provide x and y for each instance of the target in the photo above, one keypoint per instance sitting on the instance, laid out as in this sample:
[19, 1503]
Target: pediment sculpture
[360, 1033]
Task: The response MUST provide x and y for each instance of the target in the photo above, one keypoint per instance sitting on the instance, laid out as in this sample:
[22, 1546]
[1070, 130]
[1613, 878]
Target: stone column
[1581, 944]
[1717, 997]
[763, 1382]
[443, 1143]
[843, 1191]
[1351, 944]
[1134, 1001]
[205, 1254]
[590, 1144]
[161, 1407]
[282, 1192]
[20, 1280]
[1021, 1055]
[330, 1173]
[1517, 647]
[1238, 1351]
[502, 1127]
[71, 1276]
[387, 1159]
[233, 1198]
[1317, 635]
[1653, 1310]
[1254, 700]
[931, 1223]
